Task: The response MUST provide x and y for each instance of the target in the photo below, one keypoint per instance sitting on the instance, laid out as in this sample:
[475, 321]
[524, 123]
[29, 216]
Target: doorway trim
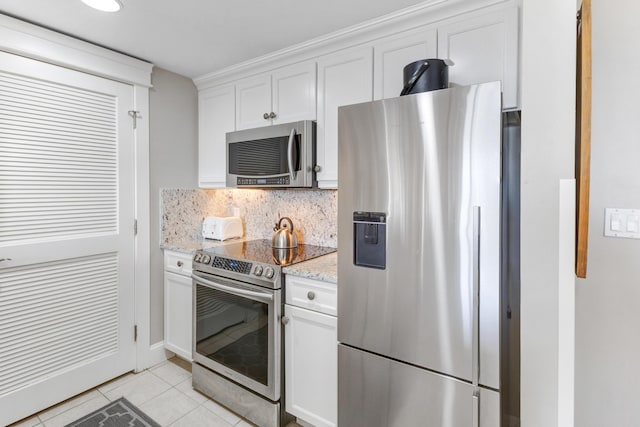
[31, 41]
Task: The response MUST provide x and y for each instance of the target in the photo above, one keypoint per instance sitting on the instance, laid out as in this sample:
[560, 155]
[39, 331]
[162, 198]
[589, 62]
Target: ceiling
[195, 37]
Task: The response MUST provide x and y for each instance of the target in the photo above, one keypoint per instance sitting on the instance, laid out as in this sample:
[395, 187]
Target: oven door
[236, 332]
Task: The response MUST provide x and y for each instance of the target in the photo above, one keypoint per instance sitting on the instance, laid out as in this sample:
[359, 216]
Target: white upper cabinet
[344, 78]
[313, 80]
[216, 114]
[253, 101]
[484, 48]
[294, 93]
[393, 53]
[286, 95]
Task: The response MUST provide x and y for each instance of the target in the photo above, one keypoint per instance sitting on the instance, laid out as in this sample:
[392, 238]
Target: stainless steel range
[237, 334]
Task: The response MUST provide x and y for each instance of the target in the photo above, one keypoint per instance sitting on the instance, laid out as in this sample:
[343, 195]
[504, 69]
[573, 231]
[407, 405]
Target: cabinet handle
[272, 115]
[266, 116]
[311, 295]
[284, 320]
[317, 168]
[5, 259]
[180, 263]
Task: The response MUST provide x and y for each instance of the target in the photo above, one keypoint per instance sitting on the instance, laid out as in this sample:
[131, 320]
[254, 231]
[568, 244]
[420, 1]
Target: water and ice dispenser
[370, 239]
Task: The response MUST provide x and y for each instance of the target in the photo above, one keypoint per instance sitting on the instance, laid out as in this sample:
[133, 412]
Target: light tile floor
[163, 392]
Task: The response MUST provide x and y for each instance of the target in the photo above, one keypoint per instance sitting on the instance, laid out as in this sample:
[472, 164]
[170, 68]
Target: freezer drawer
[377, 392]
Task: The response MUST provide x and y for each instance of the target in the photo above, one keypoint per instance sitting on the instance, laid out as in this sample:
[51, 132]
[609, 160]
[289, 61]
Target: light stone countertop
[323, 268]
[189, 246]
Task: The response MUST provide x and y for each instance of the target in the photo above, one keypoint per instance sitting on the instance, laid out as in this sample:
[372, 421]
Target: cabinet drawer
[177, 262]
[312, 294]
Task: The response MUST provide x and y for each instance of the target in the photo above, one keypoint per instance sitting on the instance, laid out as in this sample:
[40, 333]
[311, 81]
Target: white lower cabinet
[178, 304]
[311, 357]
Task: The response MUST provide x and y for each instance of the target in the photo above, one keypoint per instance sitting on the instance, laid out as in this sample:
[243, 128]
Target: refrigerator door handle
[476, 408]
[475, 344]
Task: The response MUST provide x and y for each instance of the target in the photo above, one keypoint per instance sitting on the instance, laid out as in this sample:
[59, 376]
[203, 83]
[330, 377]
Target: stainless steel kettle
[283, 237]
[284, 256]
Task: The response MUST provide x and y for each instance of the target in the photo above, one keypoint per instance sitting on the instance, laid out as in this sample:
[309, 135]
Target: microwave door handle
[292, 173]
[259, 296]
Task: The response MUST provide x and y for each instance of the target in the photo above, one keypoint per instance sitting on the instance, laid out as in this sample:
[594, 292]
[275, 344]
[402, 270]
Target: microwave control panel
[276, 180]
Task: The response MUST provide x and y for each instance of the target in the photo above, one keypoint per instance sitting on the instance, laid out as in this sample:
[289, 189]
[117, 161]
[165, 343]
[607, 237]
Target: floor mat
[119, 413]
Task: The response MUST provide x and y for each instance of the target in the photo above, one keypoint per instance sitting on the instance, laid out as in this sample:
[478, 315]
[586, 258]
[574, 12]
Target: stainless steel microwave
[272, 156]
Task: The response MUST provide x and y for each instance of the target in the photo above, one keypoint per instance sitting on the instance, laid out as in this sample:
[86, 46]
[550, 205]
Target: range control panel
[260, 273]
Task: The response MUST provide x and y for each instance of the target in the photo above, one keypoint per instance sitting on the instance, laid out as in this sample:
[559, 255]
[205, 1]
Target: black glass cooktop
[261, 251]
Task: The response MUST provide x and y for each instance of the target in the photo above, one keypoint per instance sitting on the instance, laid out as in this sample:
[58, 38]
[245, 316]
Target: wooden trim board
[583, 135]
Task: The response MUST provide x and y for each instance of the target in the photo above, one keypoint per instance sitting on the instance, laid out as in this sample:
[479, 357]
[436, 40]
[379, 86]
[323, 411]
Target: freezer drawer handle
[476, 408]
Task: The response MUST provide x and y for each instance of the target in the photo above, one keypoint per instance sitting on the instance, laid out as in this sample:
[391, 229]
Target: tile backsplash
[314, 212]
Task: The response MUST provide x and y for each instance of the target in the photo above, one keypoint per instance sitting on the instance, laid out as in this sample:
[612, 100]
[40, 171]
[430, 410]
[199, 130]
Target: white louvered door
[66, 234]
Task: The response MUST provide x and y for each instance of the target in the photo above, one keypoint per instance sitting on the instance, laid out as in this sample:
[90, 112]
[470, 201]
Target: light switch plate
[622, 223]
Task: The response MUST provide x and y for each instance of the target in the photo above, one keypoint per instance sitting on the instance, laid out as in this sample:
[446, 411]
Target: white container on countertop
[221, 227]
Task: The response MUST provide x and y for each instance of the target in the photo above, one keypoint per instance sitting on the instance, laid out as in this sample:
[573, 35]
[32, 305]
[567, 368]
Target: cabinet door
[392, 54]
[344, 78]
[253, 101]
[177, 314]
[311, 360]
[294, 93]
[484, 48]
[216, 113]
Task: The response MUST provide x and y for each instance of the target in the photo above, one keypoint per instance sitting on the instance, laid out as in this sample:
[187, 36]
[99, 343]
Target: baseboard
[303, 423]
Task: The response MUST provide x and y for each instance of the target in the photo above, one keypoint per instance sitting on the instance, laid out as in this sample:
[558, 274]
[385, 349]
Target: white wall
[608, 301]
[173, 162]
[548, 104]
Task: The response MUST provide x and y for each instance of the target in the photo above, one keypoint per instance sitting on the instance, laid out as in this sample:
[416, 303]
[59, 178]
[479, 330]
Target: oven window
[233, 331]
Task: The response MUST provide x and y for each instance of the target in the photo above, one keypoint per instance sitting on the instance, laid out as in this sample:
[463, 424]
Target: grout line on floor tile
[178, 362]
[176, 421]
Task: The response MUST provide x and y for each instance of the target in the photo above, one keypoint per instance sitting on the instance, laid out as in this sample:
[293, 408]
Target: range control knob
[258, 270]
[268, 273]
[206, 259]
[197, 257]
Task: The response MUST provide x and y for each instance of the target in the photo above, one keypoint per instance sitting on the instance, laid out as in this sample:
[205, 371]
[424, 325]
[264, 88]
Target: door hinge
[135, 227]
[135, 333]
[135, 114]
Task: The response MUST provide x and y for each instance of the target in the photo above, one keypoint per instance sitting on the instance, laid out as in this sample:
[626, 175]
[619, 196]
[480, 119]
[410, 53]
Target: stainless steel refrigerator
[419, 260]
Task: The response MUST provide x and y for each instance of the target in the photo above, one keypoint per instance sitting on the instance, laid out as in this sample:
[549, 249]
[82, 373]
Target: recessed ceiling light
[104, 5]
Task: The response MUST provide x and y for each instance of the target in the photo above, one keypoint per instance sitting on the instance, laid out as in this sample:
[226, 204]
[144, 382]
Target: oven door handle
[259, 296]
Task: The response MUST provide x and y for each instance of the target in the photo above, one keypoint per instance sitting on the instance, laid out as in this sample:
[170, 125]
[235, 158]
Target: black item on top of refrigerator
[425, 75]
